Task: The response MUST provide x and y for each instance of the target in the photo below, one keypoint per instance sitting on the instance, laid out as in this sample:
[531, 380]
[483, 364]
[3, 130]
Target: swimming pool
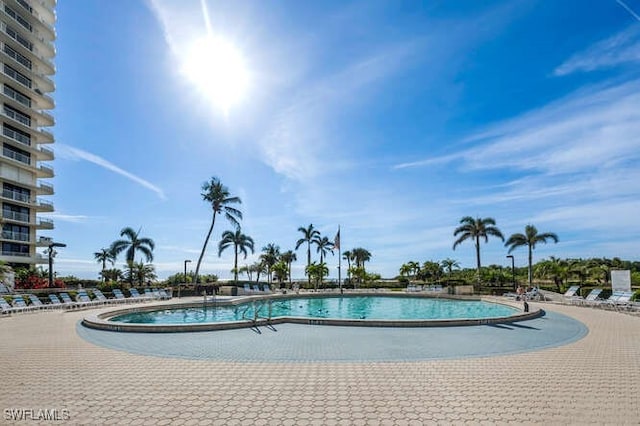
[349, 308]
[362, 310]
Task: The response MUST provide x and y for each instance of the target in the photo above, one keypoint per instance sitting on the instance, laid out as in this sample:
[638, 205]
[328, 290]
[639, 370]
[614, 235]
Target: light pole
[185, 276]
[513, 270]
[51, 252]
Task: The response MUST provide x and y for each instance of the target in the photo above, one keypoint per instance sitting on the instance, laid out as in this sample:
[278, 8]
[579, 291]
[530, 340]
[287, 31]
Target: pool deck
[595, 380]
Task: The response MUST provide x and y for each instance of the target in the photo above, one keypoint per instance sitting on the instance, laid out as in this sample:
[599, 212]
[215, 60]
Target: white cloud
[71, 153]
[621, 48]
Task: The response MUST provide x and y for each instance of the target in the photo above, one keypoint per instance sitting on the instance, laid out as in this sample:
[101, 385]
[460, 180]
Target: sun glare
[217, 68]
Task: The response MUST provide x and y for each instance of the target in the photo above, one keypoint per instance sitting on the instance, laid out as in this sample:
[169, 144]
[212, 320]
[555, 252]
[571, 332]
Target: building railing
[46, 170]
[18, 97]
[45, 187]
[17, 196]
[25, 159]
[15, 253]
[17, 116]
[17, 216]
[16, 236]
[18, 137]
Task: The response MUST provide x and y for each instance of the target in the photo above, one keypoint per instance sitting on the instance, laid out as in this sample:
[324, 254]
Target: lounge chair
[83, 298]
[592, 297]
[6, 308]
[4, 289]
[55, 301]
[247, 289]
[120, 297]
[100, 297]
[19, 303]
[37, 303]
[135, 295]
[68, 303]
[572, 293]
[255, 288]
[163, 294]
[266, 289]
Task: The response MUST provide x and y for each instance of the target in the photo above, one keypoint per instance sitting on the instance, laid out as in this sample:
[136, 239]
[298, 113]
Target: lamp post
[185, 276]
[51, 252]
[513, 270]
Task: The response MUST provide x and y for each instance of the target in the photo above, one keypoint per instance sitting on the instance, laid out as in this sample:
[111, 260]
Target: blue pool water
[358, 307]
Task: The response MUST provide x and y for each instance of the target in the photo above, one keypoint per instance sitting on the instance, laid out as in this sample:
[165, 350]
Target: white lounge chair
[592, 297]
[19, 303]
[6, 308]
[37, 303]
[572, 294]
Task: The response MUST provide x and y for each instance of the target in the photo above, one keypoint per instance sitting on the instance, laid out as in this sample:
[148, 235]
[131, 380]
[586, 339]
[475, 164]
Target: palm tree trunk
[196, 279]
[478, 259]
[235, 264]
[530, 266]
[290, 283]
[308, 260]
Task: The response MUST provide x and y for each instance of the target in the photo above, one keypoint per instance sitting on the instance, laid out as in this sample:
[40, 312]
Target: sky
[389, 119]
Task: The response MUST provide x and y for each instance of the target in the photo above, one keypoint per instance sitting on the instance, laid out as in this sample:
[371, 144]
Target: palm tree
[309, 234]
[348, 256]
[103, 256]
[324, 246]
[140, 272]
[216, 194]
[360, 256]
[449, 264]
[555, 269]
[317, 271]
[475, 229]
[133, 243]
[269, 256]
[280, 270]
[240, 242]
[530, 238]
[289, 257]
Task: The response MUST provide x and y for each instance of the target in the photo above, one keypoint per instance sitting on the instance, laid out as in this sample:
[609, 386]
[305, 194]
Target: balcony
[45, 224]
[15, 236]
[45, 154]
[44, 206]
[15, 216]
[16, 156]
[20, 257]
[15, 196]
[44, 241]
[45, 172]
[45, 189]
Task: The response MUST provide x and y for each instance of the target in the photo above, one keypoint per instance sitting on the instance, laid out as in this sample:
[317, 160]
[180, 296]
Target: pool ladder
[257, 307]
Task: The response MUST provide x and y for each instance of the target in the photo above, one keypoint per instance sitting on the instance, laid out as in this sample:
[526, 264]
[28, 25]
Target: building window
[15, 232]
[18, 37]
[16, 154]
[19, 19]
[17, 96]
[17, 193]
[17, 115]
[23, 60]
[15, 249]
[12, 212]
[20, 78]
[16, 134]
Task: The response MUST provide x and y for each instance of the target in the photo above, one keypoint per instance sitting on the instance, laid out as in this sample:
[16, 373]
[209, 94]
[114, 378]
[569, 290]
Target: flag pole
[337, 240]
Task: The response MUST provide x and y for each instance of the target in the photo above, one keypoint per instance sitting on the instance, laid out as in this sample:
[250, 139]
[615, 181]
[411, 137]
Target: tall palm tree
[218, 196]
[530, 238]
[133, 243]
[241, 244]
[476, 229]
[309, 234]
[269, 256]
[360, 256]
[324, 246]
[289, 257]
[103, 256]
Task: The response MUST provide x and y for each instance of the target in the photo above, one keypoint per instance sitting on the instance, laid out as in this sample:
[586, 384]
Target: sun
[218, 70]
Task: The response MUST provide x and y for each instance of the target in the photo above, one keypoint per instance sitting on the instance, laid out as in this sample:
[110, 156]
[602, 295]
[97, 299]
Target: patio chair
[266, 289]
[36, 302]
[67, 302]
[120, 297]
[255, 288]
[6, 308]
[247, 289]
[592, 297]
[135, 295]
[4, 289]
[55, 301]
[100, 297]
[163, 294]
[572, 293]
[19, 303]
[83, 297]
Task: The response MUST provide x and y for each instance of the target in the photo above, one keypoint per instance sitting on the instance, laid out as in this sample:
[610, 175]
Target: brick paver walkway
[46, 365]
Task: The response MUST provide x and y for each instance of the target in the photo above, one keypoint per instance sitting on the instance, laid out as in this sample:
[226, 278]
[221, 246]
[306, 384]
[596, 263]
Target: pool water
[347, 307]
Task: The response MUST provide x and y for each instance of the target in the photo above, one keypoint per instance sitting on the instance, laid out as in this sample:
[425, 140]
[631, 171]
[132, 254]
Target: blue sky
[391, 119]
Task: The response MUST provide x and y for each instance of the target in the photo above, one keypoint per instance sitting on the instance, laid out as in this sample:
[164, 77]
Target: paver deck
[595, 380]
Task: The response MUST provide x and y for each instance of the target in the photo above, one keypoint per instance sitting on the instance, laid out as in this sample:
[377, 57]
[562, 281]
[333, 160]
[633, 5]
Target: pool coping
[101, 321]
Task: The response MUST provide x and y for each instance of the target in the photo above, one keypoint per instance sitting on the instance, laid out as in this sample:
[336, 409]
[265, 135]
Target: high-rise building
[26, 66]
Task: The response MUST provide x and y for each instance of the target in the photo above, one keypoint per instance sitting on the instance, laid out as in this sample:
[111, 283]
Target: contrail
[628, 9]
[205, 15]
